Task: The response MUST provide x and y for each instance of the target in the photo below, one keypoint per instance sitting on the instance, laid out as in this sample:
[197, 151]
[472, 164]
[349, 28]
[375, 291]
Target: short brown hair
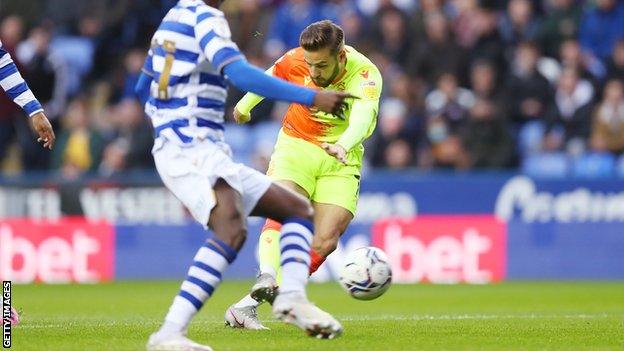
[320, 35]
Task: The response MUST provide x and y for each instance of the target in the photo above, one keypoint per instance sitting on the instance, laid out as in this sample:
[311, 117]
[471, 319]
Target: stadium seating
[546, 165]
[594, 165]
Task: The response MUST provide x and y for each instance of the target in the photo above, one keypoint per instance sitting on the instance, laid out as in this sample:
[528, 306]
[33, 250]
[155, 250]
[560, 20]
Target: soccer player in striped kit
[14, 85]
[184, 86]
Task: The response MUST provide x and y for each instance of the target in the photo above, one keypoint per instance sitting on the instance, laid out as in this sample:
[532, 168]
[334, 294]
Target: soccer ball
[366, 273]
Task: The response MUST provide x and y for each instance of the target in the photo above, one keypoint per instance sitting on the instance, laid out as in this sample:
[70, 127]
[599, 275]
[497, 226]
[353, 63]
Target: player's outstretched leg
[292, 305]
[243, 314]
[228, 223]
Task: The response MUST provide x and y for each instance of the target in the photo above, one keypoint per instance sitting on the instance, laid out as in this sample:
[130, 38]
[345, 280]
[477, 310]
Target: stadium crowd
[468, 84]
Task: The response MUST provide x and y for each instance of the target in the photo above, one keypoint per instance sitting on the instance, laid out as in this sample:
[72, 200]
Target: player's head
[324, 51]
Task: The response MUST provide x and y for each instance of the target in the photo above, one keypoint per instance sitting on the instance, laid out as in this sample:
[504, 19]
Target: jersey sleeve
[148, 65]
[15, 86]
[251, 100]
[213, 34]
[280, 69]
[366, 85]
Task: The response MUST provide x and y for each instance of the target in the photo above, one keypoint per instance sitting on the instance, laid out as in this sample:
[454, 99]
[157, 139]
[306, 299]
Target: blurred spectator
[569, 116]
[528, 92]
[130, 149]
[45, 71]
[615, 65]
[425, 10]
[11, 31]
[447, 149]
[559, 24]
[133, 63]
[78, 51]
[586, 65]
[489, 44]
[78, 147]
[450, 102]
[487, 139]
[437, 52]
[608, 121]
[392, 126]
[601, 27]
[247, 21]
[372, 7]
[289, 20]
[399, 154]
[466, 25]
[484, 82]
[391, 36]
[409, 90]
[46, 74]
[518, 24]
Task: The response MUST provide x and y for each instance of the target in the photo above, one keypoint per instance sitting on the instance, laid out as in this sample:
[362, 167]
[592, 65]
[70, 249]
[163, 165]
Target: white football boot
[265, 288]
[174, 342]
[243, 317]
[294, 308]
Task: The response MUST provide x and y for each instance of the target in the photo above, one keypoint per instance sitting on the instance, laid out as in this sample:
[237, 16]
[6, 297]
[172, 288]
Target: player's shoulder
[360, 65]
[291, 60]
[292, 56]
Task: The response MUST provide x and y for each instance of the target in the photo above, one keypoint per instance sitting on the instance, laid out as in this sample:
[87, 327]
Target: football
[366, 273]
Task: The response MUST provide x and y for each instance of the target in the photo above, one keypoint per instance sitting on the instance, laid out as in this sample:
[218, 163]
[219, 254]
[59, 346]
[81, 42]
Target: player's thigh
[279, 203]
[290, 185]
[340, 186]
[330, 222]
[297, 161]
[227, 219]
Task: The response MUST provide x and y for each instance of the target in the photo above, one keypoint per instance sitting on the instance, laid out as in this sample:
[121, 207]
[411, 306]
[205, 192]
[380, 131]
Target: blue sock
[295, 249]
[202, 279]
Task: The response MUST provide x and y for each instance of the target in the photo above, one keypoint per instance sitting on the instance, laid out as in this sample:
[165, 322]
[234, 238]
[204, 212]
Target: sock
[268, 248]
[316, 259]
[203, 277]
[246, 302]
[295, 249]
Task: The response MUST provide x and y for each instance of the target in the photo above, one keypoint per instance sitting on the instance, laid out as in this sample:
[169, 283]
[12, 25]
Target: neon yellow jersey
[361, 79]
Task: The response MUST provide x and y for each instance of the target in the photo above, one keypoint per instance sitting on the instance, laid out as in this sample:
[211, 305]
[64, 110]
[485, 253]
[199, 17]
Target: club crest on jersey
[369, 89]
[364, 74]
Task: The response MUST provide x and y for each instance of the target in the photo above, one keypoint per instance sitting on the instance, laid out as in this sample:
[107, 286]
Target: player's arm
[213, 34]
[242, 110]
[16, 88]
[142, 87]
[363, 116]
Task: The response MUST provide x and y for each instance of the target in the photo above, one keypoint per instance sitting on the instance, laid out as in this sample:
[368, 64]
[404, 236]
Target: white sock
[203, 278]
[295, 250]
[268, 269]
[246, 302]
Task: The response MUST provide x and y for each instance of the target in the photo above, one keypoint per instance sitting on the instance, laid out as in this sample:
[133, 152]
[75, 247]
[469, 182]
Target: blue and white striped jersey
[188, 90]
[15, 86]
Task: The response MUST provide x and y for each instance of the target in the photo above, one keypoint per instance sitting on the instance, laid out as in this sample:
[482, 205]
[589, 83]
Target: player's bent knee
[231, 228]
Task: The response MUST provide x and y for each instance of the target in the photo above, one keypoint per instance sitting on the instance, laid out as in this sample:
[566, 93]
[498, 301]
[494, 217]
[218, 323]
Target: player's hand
[43, 128]
[240, 118]
[337, 151]
[331, 101]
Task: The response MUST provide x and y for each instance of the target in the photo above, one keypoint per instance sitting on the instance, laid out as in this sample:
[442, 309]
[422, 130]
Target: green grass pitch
[508, 316]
